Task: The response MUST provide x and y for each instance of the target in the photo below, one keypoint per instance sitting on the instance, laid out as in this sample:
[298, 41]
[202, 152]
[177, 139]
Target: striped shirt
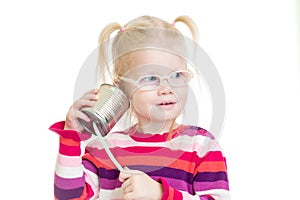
[190, 165]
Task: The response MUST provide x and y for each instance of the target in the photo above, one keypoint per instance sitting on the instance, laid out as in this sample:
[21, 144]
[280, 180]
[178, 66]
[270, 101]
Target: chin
[163, 117]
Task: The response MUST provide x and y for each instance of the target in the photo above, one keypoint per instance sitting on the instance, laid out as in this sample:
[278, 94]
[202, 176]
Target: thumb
[124, 175]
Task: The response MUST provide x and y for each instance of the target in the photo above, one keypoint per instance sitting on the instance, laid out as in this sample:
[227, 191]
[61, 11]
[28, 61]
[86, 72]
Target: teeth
[166, 103]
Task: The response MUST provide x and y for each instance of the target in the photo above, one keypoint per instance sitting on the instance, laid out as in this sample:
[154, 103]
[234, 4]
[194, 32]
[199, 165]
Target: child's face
[163, 103]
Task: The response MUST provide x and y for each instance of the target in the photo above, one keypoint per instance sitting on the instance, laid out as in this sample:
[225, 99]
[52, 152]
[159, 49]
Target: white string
[110, 155]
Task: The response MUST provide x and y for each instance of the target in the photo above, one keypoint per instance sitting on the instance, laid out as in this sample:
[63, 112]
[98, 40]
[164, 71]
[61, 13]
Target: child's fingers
[129, 196]
[82, 116]
[83, 103]
[90, 96]
[127, 185]
[87, 100]
[127, 173]
[73, 114]
[94, 92]
[123, 176]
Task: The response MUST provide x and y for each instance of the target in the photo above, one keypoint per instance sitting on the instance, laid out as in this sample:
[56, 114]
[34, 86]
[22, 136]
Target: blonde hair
[118, 51]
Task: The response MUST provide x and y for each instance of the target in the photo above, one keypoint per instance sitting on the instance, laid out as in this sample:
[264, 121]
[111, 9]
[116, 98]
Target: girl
[162, 159]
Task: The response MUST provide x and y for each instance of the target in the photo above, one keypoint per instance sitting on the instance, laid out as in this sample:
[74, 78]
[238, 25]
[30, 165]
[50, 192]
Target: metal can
[111, 105]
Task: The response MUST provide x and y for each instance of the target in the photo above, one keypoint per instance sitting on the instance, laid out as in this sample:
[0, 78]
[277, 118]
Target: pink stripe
[180, 144]
[137, 151]
[202, 186]
[110, 184]
[178, 184]
[68, 183]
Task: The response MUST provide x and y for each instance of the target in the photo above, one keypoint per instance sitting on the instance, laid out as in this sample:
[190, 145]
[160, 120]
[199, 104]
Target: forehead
[156, 57]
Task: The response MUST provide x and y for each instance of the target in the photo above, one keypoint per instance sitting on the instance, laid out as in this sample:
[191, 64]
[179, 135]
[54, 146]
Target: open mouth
[166, 103]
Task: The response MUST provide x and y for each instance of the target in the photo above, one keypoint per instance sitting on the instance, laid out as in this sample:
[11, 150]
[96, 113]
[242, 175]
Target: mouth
[167, 103]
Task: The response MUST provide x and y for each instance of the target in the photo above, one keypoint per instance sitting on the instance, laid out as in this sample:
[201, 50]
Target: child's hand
[87, 100]
[138, 185]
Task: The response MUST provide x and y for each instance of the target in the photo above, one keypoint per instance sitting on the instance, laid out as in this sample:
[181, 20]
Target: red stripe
[177, 195]
[171, 194]
[69, 134]
[141, 151]
[86, 194]
[69, 150]
[165, 188]
[68, 142]
[213, 156]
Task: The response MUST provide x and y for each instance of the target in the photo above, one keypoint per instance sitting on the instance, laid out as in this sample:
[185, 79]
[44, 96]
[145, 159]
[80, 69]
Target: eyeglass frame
[161, 79]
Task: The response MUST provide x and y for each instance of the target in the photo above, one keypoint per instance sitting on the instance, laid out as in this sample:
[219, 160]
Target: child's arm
[74, 178]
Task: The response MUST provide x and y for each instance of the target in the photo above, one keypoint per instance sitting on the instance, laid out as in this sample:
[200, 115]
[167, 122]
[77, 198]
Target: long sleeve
[74, 178]
[210, 180]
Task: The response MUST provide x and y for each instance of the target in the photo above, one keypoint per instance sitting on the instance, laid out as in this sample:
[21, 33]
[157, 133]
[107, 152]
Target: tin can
[111, 105]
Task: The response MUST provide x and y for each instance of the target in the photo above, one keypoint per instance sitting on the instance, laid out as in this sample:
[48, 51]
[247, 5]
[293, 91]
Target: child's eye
[150, 79]
[176, 75]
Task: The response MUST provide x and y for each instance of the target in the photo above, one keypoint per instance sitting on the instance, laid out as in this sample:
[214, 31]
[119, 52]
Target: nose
[164, 88]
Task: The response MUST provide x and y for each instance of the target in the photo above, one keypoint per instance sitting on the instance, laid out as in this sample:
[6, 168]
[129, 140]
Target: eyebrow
[150, 71]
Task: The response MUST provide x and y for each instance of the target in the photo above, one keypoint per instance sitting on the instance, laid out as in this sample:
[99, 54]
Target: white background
[253, 44]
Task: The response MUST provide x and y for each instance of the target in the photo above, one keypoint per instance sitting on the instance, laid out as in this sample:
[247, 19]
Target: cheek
[139, 101]
[181, 95]
[128, 89]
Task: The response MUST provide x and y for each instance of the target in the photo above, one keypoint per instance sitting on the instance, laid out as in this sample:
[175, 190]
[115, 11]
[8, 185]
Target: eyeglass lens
[177, 79]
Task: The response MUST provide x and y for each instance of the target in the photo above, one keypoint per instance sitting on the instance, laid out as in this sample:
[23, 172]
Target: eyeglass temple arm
[128, 80]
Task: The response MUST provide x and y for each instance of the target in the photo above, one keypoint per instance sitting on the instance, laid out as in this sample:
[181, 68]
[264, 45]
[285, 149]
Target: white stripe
[93, 180]
[122, 139]
[68, 172]
[219, 194]
[75, 160]
[200, 144]
[188, 196]
[111, 194]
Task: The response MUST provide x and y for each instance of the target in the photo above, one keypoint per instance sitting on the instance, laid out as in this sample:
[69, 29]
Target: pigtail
[104, 48]
[190, 24]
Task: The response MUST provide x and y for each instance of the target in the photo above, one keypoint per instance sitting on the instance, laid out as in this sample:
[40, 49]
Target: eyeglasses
[151, 82]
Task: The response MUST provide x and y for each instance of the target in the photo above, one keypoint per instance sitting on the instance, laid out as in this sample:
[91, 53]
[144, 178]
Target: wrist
[68, 128]
[72, 126]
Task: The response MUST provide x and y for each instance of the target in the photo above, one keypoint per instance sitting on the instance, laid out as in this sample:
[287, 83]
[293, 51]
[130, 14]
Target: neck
[156, 127]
